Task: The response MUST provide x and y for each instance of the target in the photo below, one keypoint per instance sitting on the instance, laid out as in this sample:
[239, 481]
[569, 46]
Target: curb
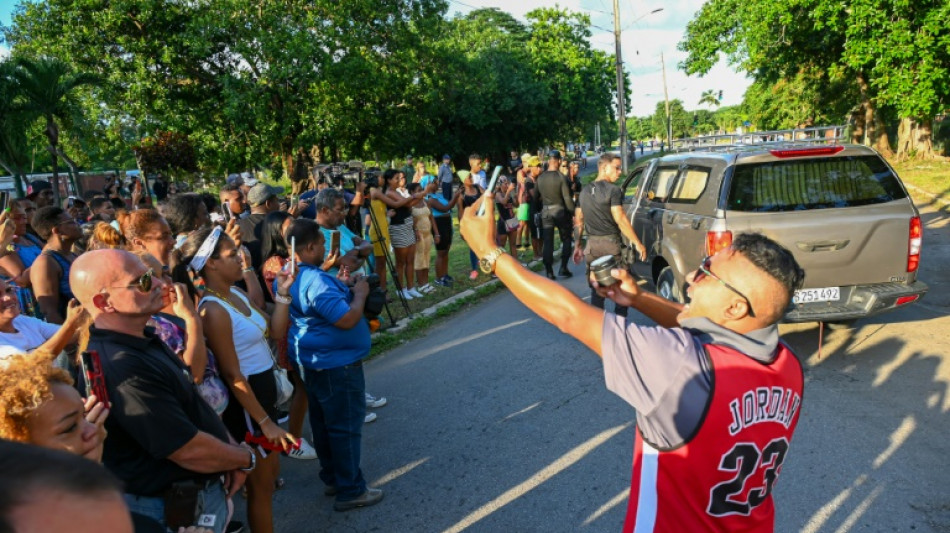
[929, 194]
[403, 323]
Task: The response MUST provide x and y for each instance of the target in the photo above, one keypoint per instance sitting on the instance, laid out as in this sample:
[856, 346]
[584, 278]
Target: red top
[721, 479]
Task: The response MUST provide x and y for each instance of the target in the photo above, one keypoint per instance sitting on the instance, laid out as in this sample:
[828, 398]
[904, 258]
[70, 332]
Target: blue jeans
[214, 503]
[337, 409]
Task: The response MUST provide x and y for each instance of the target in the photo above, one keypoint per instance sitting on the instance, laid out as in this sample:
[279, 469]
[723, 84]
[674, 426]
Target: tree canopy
[249, 83]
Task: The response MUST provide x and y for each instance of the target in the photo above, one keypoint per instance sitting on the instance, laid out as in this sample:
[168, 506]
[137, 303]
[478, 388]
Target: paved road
[498, 422]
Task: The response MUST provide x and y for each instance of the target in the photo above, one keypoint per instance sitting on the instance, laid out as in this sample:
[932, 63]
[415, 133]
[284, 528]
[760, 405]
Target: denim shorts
[214, 513]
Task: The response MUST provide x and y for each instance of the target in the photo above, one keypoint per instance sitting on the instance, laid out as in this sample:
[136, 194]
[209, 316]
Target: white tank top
[250, 341]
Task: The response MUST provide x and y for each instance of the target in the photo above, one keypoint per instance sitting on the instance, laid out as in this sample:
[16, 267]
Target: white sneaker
[414, 293]
[426, 289]
[373, 402]
[406, 294]
[305, 451]
[369, 418]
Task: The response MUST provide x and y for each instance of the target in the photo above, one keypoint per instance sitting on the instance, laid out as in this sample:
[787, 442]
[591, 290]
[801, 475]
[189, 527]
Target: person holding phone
[329, 337]
[40, 406]
[162, 433]
[238, 332]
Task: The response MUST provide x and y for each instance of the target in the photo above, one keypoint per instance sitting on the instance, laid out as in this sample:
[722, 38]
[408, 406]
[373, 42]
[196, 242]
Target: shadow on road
[870, 452]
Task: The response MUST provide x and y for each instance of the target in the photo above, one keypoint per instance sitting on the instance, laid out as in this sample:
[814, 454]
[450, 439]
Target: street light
[621, 107]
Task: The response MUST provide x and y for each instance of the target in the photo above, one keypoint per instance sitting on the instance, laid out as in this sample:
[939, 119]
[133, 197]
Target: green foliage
[166, 151]
[821, 56]
[250, 82]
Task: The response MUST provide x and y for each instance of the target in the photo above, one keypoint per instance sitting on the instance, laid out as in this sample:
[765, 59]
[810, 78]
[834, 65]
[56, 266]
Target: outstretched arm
[548, 299]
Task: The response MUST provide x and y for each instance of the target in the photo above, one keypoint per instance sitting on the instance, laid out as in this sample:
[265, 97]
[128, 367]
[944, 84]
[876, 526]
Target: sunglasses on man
[704, 271]
[143, 283]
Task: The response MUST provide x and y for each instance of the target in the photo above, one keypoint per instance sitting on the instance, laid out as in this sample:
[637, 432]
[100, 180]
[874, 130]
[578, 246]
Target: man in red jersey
[717, 394]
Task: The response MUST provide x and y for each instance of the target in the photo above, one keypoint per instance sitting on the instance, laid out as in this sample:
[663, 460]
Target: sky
[644, 38]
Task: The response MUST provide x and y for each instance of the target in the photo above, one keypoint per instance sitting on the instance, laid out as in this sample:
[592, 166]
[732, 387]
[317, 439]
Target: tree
[709, 98]
[893, 54]
[46, 85]
[13, 125]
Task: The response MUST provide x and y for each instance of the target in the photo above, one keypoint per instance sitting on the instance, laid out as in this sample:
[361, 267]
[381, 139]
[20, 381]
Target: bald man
[717, 395]
[164, 440]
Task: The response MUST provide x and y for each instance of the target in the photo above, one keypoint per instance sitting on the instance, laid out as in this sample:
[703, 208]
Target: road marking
[537, 479]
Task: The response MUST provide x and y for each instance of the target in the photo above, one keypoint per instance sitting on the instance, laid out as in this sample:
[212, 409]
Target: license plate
[825, 294]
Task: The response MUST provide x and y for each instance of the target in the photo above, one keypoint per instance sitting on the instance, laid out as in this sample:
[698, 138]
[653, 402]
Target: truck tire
[666, 285]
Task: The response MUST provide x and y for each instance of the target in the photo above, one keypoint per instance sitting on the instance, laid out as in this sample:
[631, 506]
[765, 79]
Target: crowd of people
[180, 340]
[157, 360]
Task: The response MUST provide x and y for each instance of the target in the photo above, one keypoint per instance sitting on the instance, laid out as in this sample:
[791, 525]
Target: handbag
[285, 389]
[512, 224]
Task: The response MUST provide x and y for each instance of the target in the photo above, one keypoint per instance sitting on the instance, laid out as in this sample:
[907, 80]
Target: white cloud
[642, 42]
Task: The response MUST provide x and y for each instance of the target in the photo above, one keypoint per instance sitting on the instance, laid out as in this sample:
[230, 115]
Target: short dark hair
[304, 231]
[231, 187]
[772, 257]
[475, 155]
[181, 212]
[29, 469]
[45, 219]
[117, 203]
[606, 158]
[97, 203]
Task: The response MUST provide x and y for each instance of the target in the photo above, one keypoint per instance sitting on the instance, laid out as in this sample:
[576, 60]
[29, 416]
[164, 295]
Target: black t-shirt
[596, 199]
[160, 188]
[554, 190]
[156, 409]
[251, 228]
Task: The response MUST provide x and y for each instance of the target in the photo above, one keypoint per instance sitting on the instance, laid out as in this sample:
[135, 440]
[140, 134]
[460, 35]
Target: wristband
[281, 299]
[247, 270]
[265, 419]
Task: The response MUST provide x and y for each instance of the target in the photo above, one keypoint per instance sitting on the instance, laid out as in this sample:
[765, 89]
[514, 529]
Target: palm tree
[709, 98]
[12, 127]
[46, 84]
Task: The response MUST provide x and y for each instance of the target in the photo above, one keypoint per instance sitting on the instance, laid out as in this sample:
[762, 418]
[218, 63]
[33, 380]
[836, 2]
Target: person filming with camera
[329, 337]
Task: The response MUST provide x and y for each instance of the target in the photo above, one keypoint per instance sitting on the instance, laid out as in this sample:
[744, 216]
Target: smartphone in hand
[4, 201]
[226, 212]
[95, 380]
[491, 188]
[334, 242]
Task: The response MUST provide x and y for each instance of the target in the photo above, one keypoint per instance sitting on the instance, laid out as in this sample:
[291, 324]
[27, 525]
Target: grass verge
[931, 176]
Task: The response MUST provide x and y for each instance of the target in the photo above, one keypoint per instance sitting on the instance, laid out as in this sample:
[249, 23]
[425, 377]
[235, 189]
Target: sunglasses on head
[143, 283]
[704, 271]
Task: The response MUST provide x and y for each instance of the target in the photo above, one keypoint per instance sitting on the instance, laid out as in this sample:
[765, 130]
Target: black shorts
[237, 420]
[444, 225]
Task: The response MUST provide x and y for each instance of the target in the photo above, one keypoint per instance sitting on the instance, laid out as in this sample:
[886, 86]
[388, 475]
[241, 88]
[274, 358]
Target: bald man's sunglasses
[143, 283]
[704, 271]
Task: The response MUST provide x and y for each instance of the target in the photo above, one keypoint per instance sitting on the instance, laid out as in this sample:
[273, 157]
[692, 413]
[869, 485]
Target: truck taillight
[913, 247]
[717, 240]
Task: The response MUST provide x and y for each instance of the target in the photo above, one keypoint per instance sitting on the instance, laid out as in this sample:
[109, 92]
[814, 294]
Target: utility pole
[666, 96]
[621, 107]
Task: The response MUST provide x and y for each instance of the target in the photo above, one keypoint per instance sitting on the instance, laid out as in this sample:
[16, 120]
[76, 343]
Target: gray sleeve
[649, 367]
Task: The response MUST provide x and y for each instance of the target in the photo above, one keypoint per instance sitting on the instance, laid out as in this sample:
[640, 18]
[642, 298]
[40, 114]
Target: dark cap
[37, 187]
[261, 193]
[446, 156]
[555, 154]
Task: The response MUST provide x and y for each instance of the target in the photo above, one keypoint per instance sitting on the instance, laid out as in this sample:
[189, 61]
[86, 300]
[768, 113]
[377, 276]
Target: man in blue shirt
[329, 337]
[331, 208]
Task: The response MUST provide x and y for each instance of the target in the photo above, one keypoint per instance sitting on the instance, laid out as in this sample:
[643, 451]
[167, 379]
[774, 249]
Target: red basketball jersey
[721, 479]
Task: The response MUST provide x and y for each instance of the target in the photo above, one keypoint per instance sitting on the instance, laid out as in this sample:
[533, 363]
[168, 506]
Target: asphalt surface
[498, 422]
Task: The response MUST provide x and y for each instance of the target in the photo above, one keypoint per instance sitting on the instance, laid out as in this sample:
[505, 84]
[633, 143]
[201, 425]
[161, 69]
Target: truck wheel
[666, 286]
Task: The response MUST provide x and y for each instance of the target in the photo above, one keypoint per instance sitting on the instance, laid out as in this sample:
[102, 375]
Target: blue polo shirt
[319, 301]
[445, 203]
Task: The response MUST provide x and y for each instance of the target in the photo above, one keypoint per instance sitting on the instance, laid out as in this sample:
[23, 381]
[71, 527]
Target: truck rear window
[813, 184]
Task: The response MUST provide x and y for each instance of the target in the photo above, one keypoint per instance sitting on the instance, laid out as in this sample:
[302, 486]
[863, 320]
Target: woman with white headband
[237, 333]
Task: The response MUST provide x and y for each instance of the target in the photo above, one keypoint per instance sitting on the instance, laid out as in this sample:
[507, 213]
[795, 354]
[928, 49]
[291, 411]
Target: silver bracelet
[282, 299]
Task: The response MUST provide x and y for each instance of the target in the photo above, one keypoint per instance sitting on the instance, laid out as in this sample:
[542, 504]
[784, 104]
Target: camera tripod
[384, 245]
